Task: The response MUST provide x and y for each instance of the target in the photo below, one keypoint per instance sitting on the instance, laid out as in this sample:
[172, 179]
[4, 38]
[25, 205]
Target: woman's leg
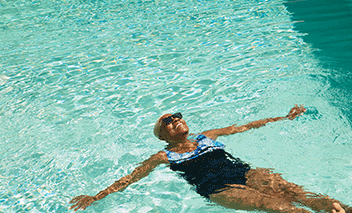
[267, 182]
[242, 197]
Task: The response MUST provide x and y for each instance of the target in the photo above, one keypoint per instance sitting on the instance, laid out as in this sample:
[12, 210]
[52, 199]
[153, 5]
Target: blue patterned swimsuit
[208, 167]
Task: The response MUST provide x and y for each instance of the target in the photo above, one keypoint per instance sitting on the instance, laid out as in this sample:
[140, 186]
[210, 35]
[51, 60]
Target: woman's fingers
[296, 111]
[81, 206]
[76, 199]
[80, 202]
[338, 208]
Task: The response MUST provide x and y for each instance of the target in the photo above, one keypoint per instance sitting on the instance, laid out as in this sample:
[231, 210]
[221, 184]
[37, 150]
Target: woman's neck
[186, 146]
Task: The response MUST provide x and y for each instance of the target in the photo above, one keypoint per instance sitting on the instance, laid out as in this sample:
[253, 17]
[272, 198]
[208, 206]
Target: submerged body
[209, 167]
[219, 176]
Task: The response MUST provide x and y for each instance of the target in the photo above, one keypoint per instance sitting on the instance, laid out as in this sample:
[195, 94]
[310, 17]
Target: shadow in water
[328, 28]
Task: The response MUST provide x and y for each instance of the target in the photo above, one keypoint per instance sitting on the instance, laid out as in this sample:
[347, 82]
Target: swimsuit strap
[205, 145]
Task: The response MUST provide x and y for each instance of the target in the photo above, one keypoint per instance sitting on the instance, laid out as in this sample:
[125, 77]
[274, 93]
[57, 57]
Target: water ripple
[81, 83]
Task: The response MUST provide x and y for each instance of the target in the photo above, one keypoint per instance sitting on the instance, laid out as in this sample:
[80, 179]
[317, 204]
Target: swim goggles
[169, 119]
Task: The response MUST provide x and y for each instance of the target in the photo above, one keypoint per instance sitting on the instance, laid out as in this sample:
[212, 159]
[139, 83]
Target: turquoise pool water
[82, 82]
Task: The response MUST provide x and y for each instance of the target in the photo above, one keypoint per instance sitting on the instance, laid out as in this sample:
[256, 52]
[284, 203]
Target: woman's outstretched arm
[213, 134]
[83, 201]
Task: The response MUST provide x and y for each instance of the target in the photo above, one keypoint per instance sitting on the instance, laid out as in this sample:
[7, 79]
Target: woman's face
[176, 129]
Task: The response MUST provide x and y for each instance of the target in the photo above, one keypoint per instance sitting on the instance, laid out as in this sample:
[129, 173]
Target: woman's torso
[208, 167]
[200, 145]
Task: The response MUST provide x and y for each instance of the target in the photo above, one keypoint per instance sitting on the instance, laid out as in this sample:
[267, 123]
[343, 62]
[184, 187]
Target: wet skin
[257, 194]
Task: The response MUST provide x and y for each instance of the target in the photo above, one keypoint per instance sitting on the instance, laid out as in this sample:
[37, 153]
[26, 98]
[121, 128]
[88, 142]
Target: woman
[219, 176]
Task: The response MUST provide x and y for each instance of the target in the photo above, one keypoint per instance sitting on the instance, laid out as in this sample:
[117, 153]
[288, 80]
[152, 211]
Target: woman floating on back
[217, 175]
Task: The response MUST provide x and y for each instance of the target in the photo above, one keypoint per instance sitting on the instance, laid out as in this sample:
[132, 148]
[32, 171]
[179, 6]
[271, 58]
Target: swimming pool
[82, 83]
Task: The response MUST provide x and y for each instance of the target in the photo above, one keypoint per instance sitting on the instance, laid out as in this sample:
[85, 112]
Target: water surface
[82, 82]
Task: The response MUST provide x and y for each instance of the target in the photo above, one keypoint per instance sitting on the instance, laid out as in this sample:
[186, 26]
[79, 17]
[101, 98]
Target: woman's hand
[295, 112]
[82, 202]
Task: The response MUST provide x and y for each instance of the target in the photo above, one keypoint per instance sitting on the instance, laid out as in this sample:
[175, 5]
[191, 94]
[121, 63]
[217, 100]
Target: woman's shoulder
[195, 137]
[160, 157]
[205, 140]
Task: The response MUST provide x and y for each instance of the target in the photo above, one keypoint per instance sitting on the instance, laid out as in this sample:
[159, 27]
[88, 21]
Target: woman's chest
[190, 147]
